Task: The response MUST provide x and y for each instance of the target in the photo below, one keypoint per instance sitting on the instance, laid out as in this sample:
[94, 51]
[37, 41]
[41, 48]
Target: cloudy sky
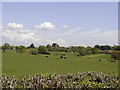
[67, 23]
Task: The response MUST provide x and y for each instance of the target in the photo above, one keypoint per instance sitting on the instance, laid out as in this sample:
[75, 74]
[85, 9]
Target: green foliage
[88, 52]
[116, 55]
[20, 49]
[116, 48]
[106, 47]
[103, 47]
[82, 52]
[33, 52]
[49, 47]
[6, 46]
[97, 46]
[42, 50]
[0, 47]
[95, 51]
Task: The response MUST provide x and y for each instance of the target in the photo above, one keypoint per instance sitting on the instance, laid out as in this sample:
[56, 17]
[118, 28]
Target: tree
[116, 48]
[42, 50]
[95, 51]
[20, 49]
[116, 55]
[49, 47]
[33, 51]
[97, 46]
[106, 47]
[6, 46]
[55, 45]
[82, 52]
[0, 47]
[3, 48]
[32, 46]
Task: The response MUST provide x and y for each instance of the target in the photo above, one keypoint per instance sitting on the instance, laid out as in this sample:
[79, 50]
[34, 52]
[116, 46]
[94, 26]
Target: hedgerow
[79, 80]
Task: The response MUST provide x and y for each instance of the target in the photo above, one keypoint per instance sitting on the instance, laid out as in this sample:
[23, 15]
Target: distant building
[55, 45]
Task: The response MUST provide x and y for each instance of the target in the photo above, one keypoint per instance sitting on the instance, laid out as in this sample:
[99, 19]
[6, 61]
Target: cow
[113, 61]
[46, 56]
[64, 57]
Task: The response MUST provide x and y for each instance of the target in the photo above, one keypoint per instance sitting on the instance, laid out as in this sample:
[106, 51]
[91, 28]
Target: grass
[21, 64]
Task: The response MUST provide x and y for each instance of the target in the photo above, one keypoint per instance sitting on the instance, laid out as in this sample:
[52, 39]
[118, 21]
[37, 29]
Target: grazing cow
[61, 57]
[99, 60]
[113, 61]
[64, 57]
[46, 56]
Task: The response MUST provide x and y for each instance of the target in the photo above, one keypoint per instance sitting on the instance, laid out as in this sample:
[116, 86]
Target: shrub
[95, 51]
[33, 52]
[6, 46]
[43, 50]
[116, 55]
[20, 49]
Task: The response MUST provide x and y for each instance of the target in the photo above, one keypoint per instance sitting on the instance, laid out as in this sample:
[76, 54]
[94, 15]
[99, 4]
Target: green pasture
[20, 64]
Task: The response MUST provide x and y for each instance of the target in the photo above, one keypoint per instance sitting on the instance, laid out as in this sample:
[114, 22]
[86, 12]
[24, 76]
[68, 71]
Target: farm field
[21, 64]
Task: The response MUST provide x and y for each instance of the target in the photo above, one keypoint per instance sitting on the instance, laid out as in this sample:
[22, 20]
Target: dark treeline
[55, 47]
[81, 50]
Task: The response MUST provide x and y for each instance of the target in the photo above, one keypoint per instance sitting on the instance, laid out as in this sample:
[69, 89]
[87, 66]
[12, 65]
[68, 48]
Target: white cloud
[92, 32]
[70, 32]
[98, 36]
[45, 26]
[26, 37]
[19, 36]
[65, 26]
[86, 36]
[0, 27]
[14, 26]
[61, 41]
[76, 36]
[0, 35]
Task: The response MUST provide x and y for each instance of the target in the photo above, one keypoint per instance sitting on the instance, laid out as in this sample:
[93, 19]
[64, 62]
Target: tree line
[81, 50]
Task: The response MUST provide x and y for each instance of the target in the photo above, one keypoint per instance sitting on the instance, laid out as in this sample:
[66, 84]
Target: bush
[43, 50]
[95, 51]
[33, 52]
[116, 55]
[6, 46]
[20, 49]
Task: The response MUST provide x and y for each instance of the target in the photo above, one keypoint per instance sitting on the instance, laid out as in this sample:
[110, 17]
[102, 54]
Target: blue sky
[74, 14]
[82, 23]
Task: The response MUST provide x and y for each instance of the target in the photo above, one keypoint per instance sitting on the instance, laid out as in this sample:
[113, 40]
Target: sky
[68, 24]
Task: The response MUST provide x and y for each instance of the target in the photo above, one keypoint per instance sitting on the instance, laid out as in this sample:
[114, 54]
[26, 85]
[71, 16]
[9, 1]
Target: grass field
[21, 64]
